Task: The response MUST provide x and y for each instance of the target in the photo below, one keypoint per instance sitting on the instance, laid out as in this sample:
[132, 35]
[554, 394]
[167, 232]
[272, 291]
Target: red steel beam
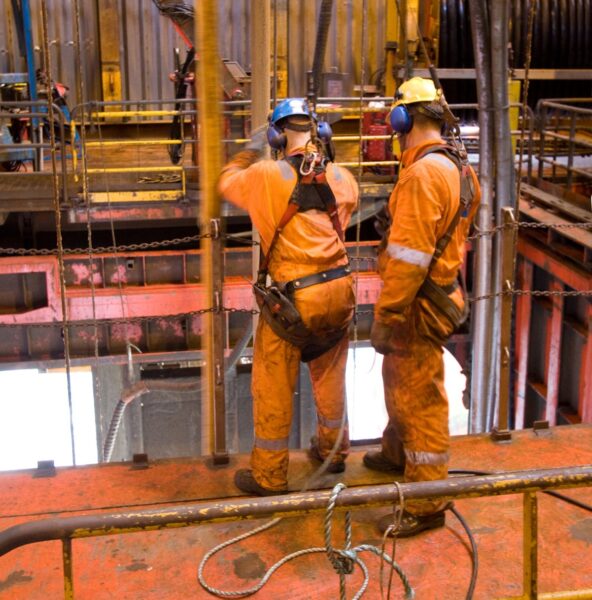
[523, 312]
[130, 302]
[553, 359]
[585, 408]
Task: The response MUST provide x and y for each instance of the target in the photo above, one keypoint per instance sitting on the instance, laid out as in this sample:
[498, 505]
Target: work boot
[377, 461]
[338, 466]
[246, 482]
[413, 524]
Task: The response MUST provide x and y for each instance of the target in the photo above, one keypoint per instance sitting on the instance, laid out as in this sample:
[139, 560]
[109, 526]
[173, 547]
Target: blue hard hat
[289, 107]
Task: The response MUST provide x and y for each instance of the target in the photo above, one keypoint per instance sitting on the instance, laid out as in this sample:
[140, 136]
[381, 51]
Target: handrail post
[530, 547]
[68, 573]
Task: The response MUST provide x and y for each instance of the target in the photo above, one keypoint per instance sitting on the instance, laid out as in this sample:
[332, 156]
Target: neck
[296, 139]
[419, 136]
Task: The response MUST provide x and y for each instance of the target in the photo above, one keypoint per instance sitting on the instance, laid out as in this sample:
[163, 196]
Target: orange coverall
[422, 206]
[308, 244]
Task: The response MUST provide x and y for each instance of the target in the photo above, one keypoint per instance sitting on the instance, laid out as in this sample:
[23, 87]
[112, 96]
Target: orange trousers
[417, 433]
[275, 369]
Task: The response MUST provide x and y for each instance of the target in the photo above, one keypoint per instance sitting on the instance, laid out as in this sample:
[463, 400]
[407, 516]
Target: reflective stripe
[442, 159]
[329, 423]
[286, 170]
[278, 444]
[409, 255]
[427, 458]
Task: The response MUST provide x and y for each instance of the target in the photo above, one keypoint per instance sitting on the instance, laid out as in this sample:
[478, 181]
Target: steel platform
[163, 564]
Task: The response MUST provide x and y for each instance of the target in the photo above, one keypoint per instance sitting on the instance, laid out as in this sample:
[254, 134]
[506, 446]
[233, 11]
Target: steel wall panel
[147, 40]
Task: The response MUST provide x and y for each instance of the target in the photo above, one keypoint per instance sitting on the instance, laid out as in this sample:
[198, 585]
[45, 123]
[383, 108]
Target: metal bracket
[501, 435]
[220, 458]
[541, 428]
[45, 468]
[139, 461]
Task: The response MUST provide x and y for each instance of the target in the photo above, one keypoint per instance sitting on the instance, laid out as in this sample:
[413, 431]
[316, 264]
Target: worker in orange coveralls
[305, 256]
[421, 302]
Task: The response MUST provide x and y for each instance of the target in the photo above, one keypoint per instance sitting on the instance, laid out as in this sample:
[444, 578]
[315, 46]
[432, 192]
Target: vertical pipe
[530, 554]
[481, 321]
[504, 168]
[585, 387]
[260, 93]
[208, 88]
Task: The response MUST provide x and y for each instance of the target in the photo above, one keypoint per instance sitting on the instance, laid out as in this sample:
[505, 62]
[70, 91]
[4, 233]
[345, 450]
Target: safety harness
[439, 295]
[276, 300]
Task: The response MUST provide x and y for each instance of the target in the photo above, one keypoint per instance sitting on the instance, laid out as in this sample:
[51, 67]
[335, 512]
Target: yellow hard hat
[416, 89]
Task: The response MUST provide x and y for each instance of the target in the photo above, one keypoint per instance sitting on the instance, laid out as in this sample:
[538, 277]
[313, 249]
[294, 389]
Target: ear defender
[400, 119]
[275, 137]
[324, 132]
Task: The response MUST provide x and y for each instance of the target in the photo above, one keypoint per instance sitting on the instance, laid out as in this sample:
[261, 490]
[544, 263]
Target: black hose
[321, 44]
[474, 554]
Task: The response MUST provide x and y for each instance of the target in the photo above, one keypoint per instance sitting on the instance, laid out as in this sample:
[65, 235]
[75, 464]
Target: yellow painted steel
[393, 25]
[514, 89]
[207, 84]
[138, 142]
[135, 169]
[135, 196]
[134, 113]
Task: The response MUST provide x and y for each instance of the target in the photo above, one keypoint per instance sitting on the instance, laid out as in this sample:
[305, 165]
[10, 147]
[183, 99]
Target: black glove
[381, 338]
[258, 140]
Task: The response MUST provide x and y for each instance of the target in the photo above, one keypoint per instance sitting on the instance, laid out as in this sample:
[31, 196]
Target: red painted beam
[523, 312]
[553, 359]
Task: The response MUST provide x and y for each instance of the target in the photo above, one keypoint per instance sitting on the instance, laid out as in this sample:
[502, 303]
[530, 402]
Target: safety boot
[413, 524]
[377, 461]
[246, 482]
[337, 466]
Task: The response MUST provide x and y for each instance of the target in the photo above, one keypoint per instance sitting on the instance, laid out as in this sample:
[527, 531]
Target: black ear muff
[400, 119]
[276, 138]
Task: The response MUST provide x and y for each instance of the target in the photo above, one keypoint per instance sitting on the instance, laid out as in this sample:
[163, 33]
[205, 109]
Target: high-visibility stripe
[427, 458]
[442, 159]
[409, 255]
[329, 423]
[278, 444]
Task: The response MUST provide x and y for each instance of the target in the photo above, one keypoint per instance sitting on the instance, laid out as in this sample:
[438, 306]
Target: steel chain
[195, 238]
[115, 321]
[121, 248]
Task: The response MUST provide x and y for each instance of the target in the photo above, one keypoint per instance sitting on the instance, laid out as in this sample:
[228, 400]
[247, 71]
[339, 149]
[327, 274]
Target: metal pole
[504, 170]
[530, 548]
[207, 83]
[482, 313]
[501, 431]
[68, 572]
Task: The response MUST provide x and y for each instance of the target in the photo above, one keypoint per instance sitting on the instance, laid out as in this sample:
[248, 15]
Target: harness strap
[322, 277]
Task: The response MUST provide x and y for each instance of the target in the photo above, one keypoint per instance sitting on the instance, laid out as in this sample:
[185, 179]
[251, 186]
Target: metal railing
[565, 132]
[527, 483]
[36, 110]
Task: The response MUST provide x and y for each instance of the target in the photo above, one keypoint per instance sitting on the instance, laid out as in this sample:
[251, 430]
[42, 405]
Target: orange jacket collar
[410, 155]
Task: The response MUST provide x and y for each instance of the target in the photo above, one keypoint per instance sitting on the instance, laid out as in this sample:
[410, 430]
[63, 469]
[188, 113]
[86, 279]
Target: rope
[342, 560]
[531, 15]
[58, 218]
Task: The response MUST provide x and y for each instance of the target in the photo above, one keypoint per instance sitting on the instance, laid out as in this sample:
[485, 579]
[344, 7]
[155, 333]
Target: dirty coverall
[308, 244]
[422, 206]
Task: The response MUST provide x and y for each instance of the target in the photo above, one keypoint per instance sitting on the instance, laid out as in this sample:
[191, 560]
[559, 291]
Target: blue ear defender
[324, 132]
[275, 137]
[400, 119]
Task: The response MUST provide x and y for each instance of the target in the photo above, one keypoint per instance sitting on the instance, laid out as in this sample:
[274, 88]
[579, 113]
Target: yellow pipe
[133, 143]
[207, 84]
[134, 169]
[135, 113]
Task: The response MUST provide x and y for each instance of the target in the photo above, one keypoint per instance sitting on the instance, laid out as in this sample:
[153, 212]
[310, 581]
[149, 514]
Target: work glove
[258, 140]
[381, 338]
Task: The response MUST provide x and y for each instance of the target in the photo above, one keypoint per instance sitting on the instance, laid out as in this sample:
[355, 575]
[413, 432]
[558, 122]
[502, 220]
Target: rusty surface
[162, 564]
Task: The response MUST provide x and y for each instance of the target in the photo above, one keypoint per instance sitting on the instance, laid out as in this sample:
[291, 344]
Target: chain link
[529, 225]
[536, 293]
[123, 248]
[130, 320]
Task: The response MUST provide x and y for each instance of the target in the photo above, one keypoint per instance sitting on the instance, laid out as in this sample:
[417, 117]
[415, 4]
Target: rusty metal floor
[163, 564]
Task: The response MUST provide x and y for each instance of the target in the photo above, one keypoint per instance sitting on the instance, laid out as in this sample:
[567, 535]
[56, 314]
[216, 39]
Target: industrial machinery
[119, 263]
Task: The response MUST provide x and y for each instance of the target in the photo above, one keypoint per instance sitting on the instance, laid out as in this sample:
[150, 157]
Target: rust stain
[15, 578]
[137, 565]
[82, 274]
[119, 275]
[582, 531]
[249, 566]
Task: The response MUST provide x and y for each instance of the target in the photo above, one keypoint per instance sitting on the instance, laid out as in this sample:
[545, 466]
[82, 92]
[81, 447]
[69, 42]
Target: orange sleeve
[235, 183]
[417, 209]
